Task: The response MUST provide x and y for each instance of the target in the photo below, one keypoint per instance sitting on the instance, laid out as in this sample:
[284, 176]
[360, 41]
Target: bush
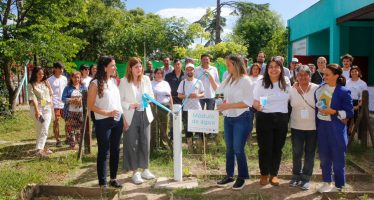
[4, 104]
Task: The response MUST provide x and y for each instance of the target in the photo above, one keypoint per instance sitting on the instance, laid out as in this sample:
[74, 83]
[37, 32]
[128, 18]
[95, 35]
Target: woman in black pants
[271, 95]
[104, 101]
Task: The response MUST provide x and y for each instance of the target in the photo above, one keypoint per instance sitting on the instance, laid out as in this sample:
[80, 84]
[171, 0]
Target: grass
[19, 167]
[21, 127]
[16, 175]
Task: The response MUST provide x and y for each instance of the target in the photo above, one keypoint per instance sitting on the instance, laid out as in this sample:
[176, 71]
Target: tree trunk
[12, 90]
[218, 23]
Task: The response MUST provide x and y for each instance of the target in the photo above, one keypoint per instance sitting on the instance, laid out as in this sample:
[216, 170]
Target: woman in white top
[254, 72]
[237, 115]
[104, 100]
[162, 92]
[271, 95]
[138, 115]
[303, 127]
[356, 86]
[41, 105]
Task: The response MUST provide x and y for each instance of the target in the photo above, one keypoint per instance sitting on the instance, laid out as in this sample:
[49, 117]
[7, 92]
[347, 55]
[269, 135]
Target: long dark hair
[101, 75]
[266, 82]
[34, 73]
[337, 70]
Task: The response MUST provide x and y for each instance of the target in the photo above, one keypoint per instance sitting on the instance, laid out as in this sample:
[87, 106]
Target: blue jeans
[209, 102]
[108, 134]
[303, 142]
[237, 130]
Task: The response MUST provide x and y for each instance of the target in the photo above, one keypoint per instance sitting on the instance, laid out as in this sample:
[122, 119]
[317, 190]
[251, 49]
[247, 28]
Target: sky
[192, 10]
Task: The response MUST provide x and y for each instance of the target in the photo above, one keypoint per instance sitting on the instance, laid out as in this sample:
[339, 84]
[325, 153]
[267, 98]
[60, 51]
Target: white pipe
[177, 142]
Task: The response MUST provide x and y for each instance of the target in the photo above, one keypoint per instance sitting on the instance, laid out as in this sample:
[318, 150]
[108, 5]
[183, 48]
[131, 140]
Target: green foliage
[257, 26]
[220, 50]
[208, 22]
[4, 104]
[277, 46]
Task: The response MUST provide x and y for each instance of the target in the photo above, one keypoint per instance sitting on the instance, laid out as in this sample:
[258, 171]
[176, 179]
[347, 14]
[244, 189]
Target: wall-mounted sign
[299, 48]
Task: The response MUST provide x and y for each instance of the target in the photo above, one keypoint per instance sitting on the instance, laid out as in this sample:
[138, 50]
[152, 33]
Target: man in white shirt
[347, 61]
[58, 82]
[85, 71]
[192, 89]
[167, 68]
[210, 80]
[261, 60]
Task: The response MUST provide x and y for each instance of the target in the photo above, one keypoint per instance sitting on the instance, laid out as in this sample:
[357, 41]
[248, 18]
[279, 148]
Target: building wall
[318, 43]
[322, 15]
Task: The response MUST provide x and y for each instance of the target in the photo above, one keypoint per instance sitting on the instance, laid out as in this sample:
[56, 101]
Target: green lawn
[19, 166]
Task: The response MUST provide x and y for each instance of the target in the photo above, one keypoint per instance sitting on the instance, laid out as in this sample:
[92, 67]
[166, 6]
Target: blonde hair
[239, 69]
[132, 62]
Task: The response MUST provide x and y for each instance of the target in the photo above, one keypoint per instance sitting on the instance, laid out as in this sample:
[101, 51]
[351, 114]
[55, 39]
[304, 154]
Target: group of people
[317, 105]
[55, 98]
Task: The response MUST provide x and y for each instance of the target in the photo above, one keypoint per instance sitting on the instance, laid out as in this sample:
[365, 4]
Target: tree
[37, 30]
[256, 26]
[277, 46]
[209, 22]
[220, 50]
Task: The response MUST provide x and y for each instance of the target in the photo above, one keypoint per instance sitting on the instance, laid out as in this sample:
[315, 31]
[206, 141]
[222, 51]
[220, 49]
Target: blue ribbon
[146, 97]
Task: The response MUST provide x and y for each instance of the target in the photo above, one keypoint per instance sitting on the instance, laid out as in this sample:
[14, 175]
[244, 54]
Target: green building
[332, 28]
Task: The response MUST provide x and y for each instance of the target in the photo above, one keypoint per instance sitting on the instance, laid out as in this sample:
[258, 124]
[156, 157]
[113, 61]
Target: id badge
[43, 102]
[304, 114]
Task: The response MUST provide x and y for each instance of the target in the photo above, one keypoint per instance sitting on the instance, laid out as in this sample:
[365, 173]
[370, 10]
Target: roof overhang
[363, 14]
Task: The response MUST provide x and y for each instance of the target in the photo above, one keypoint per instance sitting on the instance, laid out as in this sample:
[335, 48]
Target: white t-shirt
[277, 99]
[162, 91]
[324, 94]
[303, 115]
[185, 87]
[241, 91]
[110, 100]
[356, 88]
[209, 92]
[346, 73]
[171, 68]
[74, 108]
[86, 81]
[58, 85]
[255, 79]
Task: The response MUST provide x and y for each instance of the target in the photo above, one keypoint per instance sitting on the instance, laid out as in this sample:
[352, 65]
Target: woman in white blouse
[103, 99]
[356, 86]
[162, 92]
[254, 72]
[271, 95]
[41, 105]
[237, 115]
[303, 128]
[138, 117]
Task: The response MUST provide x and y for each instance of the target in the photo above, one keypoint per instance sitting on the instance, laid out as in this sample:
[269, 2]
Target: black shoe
[115, 184]
[58, 143]
[225, 181]
[239, 184]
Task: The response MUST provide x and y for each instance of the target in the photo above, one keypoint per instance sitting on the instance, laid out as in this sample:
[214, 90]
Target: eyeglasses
[85, 69]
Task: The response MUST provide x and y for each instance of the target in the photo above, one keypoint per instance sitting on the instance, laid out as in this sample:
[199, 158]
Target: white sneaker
[336, 189]
[147, 175]
[325, 187]
[137, 179]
